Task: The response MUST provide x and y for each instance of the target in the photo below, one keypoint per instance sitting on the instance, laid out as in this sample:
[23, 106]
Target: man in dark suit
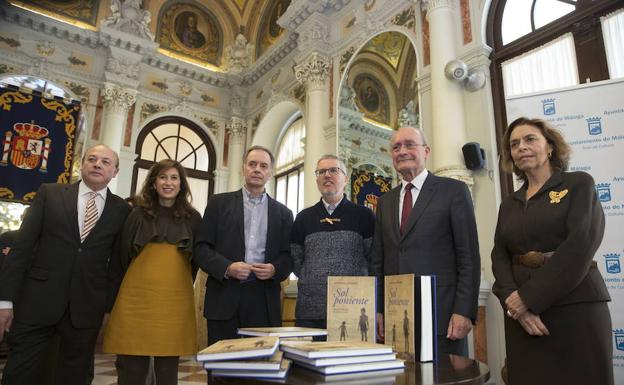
[426, 226]
[243, 245]
[62, 273]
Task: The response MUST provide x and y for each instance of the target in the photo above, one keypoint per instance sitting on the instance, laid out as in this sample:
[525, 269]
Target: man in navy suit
[62, 273]
[426, 226]
[243, 244]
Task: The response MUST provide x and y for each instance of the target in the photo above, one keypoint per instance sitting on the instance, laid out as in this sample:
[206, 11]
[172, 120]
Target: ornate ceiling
[382, 75]
[197, 30]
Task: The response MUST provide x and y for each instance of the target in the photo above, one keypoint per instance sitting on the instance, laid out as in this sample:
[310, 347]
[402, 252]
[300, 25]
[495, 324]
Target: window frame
[141, 163]
[587, 15]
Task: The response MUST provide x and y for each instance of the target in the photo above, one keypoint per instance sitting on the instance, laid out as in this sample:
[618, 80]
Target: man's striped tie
[91, 216]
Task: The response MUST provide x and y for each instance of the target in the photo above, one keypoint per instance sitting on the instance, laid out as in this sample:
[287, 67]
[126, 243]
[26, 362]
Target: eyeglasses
[333, 171]
[408, 146]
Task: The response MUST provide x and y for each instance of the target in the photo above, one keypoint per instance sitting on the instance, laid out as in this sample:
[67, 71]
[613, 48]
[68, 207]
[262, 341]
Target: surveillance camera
[456, 70]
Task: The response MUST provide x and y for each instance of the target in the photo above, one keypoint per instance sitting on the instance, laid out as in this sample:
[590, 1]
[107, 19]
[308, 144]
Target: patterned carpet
[190, 372]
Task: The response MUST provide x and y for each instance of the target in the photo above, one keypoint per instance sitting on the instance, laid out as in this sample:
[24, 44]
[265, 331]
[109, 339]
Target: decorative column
[117, 101]
[313, 73]
[127, 37]
[449, 126]
[237, 130]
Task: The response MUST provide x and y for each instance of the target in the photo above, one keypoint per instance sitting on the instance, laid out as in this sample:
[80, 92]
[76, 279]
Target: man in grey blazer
[62, 273]
[426, 226]
[243, 244]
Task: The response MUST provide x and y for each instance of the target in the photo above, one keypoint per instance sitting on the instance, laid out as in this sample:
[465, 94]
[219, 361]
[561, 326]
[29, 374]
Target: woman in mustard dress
[154, 313]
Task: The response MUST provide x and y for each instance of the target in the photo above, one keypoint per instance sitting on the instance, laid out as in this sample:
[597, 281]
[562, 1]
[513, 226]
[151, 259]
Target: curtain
[550, 66]
[613, 35]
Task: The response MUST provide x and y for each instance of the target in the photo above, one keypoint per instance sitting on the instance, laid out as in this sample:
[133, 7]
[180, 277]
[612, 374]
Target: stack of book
[285, 333]
[341, 357]
[256, 357]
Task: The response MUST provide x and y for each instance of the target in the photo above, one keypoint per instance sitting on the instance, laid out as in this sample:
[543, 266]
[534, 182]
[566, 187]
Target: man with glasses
[426, 226]
[331, 238]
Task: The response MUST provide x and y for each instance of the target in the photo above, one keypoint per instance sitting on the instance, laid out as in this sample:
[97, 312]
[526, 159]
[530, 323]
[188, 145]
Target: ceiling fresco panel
[80, 10]
[189, 30]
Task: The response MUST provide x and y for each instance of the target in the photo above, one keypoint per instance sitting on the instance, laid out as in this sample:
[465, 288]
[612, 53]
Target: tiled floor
[190, 372]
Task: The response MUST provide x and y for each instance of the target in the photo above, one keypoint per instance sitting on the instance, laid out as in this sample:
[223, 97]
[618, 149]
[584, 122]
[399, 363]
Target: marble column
[237, 130]
[117, 101]
[448, 112]
[313, 73]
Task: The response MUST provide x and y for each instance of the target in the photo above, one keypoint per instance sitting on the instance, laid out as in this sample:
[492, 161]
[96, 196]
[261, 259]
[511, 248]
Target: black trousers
[252, 312]
[29, 344]
[134, 370]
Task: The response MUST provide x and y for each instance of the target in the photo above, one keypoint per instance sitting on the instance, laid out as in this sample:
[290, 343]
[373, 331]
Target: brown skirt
[577, 351]
[154, 313]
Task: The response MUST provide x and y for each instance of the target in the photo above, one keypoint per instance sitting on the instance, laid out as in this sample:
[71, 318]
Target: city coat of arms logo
[28, 148]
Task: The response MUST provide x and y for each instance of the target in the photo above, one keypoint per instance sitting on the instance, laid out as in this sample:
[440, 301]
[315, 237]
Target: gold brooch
[330, 220]
[556, 197]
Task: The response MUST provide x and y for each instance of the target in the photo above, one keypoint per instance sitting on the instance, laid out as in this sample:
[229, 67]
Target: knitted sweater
[325, 245]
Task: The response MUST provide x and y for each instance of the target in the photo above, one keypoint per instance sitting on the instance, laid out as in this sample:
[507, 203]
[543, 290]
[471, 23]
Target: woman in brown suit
[558, 327]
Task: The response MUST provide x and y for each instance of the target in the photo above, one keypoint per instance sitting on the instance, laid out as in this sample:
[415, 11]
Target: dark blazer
[572, 227]
[221, 241]
[440, 239]
[49, 269]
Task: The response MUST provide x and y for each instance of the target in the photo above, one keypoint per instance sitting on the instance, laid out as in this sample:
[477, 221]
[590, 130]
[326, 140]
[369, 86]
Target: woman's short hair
[560, 157]
[148, 197]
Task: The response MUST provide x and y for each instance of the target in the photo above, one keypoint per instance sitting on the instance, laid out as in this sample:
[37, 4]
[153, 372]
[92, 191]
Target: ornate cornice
[357, 124]
[300, 10]
[189, 71]
[269, 60]
[48, 26]
[313, 72]
[118, 98]
[314, 34]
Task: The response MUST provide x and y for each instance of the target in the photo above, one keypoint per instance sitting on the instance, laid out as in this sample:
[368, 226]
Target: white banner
[591, 117]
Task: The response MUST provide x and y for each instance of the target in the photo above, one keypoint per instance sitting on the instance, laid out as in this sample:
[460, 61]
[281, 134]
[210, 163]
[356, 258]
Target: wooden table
[449, 369]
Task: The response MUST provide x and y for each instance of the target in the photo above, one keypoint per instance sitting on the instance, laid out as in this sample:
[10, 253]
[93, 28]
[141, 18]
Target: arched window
[289, 166]
[182, 140]
[547, 44]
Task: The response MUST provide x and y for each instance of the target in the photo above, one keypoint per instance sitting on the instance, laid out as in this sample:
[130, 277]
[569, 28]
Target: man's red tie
[407, 206]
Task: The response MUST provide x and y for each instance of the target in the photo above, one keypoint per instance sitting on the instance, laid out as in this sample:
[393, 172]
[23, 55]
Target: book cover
[410, 316]
[355, 368]
[351, 309]
[284, 331]
[239, 348]
[264, 363]
[341, 360]
[256, 374]
[334, 348]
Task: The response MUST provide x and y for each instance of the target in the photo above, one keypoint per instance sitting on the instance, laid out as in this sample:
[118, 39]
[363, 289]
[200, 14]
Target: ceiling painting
[191, 31]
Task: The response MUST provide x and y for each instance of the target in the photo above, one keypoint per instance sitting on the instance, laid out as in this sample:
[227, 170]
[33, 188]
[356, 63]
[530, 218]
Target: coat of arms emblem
[28, 148]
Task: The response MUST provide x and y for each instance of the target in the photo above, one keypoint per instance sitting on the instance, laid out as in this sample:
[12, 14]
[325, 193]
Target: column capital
[313, 71]
[433, 5]
[236, 128]
[118, 98]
